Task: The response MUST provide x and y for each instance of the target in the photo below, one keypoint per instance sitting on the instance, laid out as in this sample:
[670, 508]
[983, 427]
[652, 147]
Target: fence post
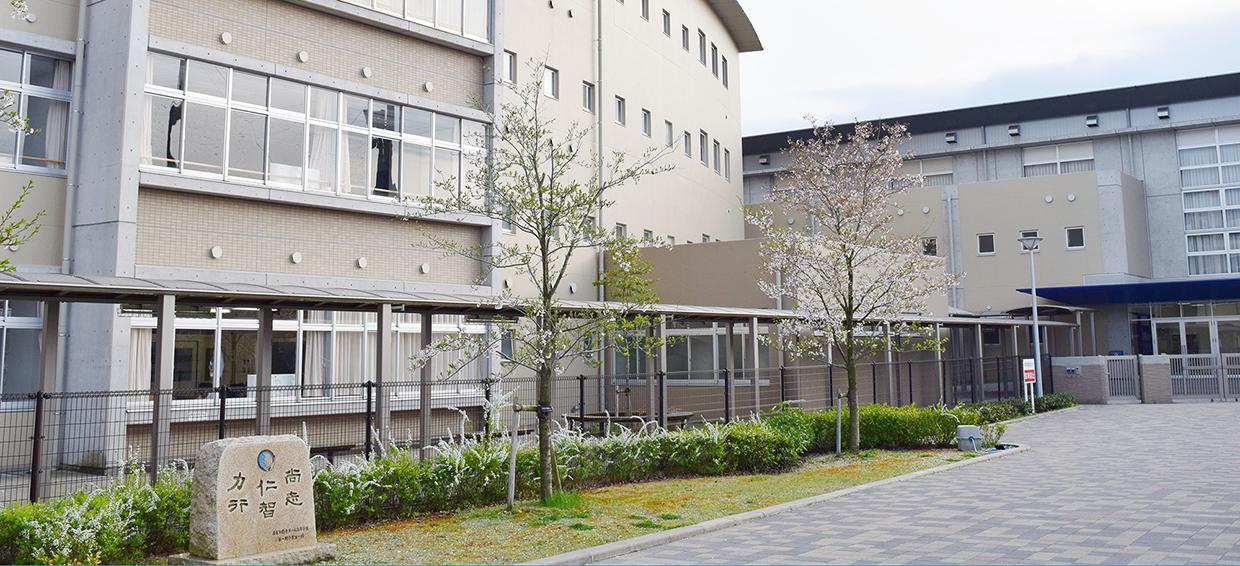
[944, 374]
[369, 404]
[581, 399]
[783, 394]
[873, 383]
[727, 396]
[223, 393]
[972, 381]
[830, 384]
[911, 400]
[662, 378]
[486, 394]
[899, 397]
[36, 452]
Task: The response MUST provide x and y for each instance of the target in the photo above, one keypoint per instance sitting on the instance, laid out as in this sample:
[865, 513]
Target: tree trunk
[854, 415]
[545, 486]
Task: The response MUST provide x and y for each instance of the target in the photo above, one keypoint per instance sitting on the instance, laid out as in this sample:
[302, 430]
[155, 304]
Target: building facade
[1131, 190]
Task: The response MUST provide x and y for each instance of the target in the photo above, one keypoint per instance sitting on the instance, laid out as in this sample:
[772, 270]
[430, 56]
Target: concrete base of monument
[306, 555]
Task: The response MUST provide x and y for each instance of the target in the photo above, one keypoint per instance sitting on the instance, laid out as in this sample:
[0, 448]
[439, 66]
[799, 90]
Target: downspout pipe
[71, 185]
[598, 133]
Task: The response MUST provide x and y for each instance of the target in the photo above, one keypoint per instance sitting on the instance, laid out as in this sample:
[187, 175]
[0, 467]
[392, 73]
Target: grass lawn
[491, 535]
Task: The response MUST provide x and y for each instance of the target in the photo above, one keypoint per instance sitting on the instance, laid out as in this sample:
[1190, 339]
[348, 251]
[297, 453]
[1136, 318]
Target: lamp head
[1029, 243]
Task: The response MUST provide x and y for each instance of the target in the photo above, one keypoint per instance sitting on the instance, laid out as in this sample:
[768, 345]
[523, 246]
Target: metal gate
[1123, 378]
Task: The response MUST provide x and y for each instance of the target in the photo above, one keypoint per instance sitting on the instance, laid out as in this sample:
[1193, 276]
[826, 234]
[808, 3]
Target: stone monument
[253, 503]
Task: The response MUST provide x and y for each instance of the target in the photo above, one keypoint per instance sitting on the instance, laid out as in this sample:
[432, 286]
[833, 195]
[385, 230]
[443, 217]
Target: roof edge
[737, 24]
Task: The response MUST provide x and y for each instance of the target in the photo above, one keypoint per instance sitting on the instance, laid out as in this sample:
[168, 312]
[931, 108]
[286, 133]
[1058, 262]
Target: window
[684, 38]
[985, 244]
[619, 110]
[510, 67]
[1210, 180]
[688, 145]
[587, 97]
[930, 246]
[646, 125]
[724, 69]
[41, 88]
[470, 18]
[621, 230]
[705, 238]
[1075, 238]
[647, 236]
[587, 228]
[551, 82]
[702, 138]
[20, 331]
[938, 172]
[1058, 159]
[646, 10]
[671, 240]
[670, 133]
[714, 60]
[727, 165]
[289, 135]
[702, 47]
[1029, 234]
[716, 156]
[667, 23]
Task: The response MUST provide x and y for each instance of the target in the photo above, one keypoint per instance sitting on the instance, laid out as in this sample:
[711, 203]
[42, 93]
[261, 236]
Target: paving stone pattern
[1119, 484]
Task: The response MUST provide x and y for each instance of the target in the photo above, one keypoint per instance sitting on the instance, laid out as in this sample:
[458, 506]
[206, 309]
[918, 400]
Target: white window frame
[551, 82]
[688, 144]
[684, 38]
[645, 10]
[670, 133]
[1029, 234]
[990, 235]
[716, 149]
[727, 165]
[703, 139]
[714, 60]
[621, 111]
[510, 67]
[1216, 151]
[587, 97]
[1059, 163]
[647, 123]
[21, 93]
[702, 47]
[1067, 237]
[667, 23]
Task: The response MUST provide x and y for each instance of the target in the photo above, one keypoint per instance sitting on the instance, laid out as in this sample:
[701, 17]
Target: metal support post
[424, 391]
[661, 376]
[223, 394]
[161, 384]
[581, 400]
[36, 453]
[370, 389]
[262, 395]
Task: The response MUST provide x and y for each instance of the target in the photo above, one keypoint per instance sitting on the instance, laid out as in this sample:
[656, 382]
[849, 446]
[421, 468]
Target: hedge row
[130, 519]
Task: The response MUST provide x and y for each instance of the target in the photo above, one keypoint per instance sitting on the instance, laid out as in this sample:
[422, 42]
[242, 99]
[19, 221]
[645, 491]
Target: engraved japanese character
[238, 482]
[292, 498]
[265, 486]
[267, 508]
[293, 475]
[237, 505]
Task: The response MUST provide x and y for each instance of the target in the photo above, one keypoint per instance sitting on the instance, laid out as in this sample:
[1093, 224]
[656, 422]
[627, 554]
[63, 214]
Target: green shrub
[1055, 401]
[167, 521]
[997, 411]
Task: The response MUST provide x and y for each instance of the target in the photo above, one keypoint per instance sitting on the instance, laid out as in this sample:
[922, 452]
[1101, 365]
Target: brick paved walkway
[1119, 484]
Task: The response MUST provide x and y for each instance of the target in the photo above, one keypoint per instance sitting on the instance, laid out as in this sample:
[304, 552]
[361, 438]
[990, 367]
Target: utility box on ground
[969, 438]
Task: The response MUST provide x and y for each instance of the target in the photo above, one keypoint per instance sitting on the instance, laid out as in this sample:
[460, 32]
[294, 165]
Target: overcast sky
[867, 59]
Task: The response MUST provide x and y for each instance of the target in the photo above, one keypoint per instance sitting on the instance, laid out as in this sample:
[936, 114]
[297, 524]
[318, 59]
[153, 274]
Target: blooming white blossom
[849, 269]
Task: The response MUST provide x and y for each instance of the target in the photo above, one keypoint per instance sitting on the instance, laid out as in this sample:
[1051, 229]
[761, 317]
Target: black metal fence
[52, 444]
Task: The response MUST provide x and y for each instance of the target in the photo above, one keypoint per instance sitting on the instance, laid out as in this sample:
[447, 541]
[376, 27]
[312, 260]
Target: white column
[262, 397]
[165, 344]
[383, 371]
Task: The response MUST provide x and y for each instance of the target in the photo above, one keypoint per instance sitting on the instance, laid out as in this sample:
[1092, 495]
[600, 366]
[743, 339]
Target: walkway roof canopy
[1144, 292]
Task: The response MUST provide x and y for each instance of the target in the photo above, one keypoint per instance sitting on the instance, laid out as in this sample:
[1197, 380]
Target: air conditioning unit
[950, 137]
[764, 160]
[1014, 130]
[1091, 121]
[1164, 112]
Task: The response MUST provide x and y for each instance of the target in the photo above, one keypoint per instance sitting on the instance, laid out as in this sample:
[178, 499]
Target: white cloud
[843, 60]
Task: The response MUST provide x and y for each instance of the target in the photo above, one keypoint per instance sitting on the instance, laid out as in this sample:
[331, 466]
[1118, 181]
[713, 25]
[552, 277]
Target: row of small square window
[718, 65]
[1074, 239]
[648, 237]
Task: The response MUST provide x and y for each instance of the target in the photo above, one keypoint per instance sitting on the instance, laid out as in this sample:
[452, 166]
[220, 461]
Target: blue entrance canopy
[1144, 292]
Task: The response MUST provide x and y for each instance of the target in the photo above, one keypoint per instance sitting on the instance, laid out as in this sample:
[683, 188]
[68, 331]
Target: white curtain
[347, 360]
[140, 343]
[1201, 199]
[316, 362]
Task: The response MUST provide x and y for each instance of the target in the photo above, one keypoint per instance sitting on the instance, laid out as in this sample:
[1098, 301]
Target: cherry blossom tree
[538, 180]
[848, 271]
[16, 230]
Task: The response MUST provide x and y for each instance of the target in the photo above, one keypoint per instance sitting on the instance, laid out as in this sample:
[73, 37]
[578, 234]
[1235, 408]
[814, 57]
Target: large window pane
[1076, 166]
[1233, 218]
[192, 359]
[387, 117]
[1199, 177]
[448, 15]
[701, 353]
[393, 6]
[353, 162]
[204, 78]
[416, 170]
[1168, 336]
[287, 151]
[1231, 174]
[1201, 199]
[476, 19]
[165, 71]
[1041, 170]
[1230, 153]
[418, 122]
[1198, 156]
[10, 66]
[1207, 264]
[356, 111]
[50, 73]
[249, 88]
[237, 349]
[1205, 243]
[21, 360]
[1203, 220]
[447, 129]
[162, 132]
[347, 361]
[323, 104]
[385, 163]
[288, 96]
[8, 146]
[321, 171]
[247, 145]
[47, 146]
[447, 169]
[423, 10]
[316, 356]
[204, 138]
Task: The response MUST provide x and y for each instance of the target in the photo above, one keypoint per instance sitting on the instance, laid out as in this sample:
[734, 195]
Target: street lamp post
[1029, 244]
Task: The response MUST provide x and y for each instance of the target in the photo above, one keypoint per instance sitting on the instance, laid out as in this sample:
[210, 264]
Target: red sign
[1031, 374]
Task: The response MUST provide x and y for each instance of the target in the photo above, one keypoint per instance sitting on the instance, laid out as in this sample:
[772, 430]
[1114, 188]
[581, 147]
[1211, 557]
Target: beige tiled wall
[275, 31]
[179, 230]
